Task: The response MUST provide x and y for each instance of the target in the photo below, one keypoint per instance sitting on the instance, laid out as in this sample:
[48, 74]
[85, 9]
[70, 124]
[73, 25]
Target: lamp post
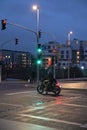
[69, 33]
[36, 8]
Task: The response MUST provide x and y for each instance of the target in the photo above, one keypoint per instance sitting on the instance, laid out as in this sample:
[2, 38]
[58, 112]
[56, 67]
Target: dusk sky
[57, 17]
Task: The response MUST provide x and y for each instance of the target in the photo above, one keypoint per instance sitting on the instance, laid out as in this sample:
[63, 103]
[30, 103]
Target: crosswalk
[56, 112]
[59, 113]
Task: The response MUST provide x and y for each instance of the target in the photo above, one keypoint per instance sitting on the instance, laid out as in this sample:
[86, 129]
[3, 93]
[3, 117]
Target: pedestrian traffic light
[39, 54]
[16, 41]
[3, 24]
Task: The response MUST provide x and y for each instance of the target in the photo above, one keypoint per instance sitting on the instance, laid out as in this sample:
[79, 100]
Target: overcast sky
[57, 17]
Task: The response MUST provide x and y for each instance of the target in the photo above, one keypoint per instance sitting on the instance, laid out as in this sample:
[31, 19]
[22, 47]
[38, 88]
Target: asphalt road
[22, 108]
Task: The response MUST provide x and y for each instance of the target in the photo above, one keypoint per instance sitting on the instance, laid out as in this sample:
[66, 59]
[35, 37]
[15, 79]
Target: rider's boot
[46, 90]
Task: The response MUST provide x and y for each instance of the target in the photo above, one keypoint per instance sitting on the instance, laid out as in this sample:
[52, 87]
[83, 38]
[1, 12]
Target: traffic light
[3, 24]
[54, 60]
[0, 62]
[39, 49]
[16, 41]
[39, 34]
[39, 61]
[48, 62]
[0, 58]
[39, 54]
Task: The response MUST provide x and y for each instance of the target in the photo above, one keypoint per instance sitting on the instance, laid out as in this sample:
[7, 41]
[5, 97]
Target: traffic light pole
[54, 75]
[37, 36]
[23, 27]
[0, 73]
[38, 65]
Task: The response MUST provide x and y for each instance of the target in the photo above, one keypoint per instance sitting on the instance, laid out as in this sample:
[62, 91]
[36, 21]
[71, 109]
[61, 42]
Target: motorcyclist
[51, 81]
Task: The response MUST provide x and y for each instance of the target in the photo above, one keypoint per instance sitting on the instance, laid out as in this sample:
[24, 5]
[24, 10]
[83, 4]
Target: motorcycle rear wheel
[57, 90]
[40, 89]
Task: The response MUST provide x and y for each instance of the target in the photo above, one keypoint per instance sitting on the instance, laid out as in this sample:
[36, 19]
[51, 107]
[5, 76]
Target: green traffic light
[38, 62]
[39, 50]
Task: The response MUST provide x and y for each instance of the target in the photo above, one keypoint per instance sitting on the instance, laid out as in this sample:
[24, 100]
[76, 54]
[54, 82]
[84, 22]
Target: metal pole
[69, 33]
[68, 55]
[54, 68]
[0, 66]
[0, 73]
[38, 21]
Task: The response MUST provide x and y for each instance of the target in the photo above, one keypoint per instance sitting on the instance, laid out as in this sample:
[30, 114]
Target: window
[49, 47]
[62, 52]
[67, 52]
[63, 64]
[62, 56]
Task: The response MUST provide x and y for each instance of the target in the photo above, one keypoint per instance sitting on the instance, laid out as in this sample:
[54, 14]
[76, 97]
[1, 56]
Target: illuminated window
[77, 57]
[78, 52]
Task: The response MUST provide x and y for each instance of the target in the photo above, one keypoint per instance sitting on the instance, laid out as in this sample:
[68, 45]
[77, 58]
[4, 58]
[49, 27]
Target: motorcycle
[44, 87]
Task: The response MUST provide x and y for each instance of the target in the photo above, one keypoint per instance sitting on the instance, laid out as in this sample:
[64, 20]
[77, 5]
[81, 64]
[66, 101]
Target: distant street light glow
[70, 32]
[34, 7]
[82, 67]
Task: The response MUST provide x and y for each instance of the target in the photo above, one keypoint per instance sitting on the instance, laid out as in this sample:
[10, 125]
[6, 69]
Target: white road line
[53, 120]
[19, 93]
[14, 105]
[74, 105]
[16, 125]
[28, 92]
[33, 92]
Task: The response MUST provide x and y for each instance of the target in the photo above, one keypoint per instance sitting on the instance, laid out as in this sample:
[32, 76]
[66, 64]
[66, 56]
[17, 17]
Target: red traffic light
[16, 41]
[3, 24]
[48, 61]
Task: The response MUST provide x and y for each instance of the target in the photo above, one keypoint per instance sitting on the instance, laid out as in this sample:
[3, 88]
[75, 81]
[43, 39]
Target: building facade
[14, 59]
[73, 55]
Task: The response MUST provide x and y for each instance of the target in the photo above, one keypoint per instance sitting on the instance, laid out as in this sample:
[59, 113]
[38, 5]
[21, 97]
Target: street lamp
[36, 8]
[69, 33]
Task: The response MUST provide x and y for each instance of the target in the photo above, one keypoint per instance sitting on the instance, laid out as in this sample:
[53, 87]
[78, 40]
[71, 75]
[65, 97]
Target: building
[73, 55]
[14, 59]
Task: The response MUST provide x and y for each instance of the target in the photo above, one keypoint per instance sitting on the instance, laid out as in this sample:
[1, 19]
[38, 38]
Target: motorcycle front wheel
[40, 89]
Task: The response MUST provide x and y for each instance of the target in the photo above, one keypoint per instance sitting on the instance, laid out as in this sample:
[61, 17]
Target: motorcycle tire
[40, 89]
[57, 91]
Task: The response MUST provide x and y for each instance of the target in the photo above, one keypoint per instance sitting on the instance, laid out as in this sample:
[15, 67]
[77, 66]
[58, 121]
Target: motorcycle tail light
[58, 84]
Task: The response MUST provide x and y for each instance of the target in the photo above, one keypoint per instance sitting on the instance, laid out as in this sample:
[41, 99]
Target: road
[22, 108]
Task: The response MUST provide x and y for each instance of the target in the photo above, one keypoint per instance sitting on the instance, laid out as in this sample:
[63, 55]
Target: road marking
[15, 125]
[14, 105]
[74, 105]
[84, 126]
[28, 92]
[33, 92]
[53, 120]
[19, 93]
